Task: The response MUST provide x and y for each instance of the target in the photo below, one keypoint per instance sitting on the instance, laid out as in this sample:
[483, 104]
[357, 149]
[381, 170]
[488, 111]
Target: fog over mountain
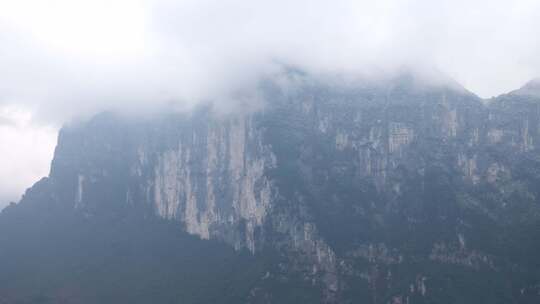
[62, 60]
[270, 152]
[319, 188]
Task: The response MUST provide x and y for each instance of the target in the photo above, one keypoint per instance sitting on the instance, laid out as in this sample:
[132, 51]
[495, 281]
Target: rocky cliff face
[389, 192]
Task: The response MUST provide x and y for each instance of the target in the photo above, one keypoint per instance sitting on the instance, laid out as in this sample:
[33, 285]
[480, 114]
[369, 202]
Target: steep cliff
[396, 191]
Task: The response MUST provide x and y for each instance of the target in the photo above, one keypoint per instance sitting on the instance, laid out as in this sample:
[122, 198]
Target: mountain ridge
[391, 194]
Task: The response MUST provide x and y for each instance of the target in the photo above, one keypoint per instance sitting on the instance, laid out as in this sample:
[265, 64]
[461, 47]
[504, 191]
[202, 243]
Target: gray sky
[62, 59]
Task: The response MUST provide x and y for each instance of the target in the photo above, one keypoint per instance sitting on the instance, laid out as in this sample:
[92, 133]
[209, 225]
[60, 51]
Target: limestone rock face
[373, 192]
[214, 180]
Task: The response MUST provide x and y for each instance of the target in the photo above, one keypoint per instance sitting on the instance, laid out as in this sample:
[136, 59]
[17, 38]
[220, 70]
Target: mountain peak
[531, 88]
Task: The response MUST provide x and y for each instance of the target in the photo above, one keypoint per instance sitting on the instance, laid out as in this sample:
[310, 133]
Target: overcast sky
[61, 59]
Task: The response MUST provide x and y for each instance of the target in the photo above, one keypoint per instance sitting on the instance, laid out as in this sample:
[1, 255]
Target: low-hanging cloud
[65, 58]
[62, 59]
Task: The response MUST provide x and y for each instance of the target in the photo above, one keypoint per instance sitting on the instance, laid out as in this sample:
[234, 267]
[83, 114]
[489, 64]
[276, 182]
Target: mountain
[390, 191]
[531, 88]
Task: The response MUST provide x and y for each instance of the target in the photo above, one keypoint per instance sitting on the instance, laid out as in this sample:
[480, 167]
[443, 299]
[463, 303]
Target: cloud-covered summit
[63, 59]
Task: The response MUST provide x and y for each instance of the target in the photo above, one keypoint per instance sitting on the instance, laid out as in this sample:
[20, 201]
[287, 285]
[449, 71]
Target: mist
[65, 60]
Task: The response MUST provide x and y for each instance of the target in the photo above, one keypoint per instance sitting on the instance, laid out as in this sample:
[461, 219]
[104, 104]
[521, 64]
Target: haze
[66, 59]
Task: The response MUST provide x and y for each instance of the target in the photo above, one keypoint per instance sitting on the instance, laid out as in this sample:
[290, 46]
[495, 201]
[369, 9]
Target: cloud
[489, 46]
[4, 121]
[25, 152]
[62, 59]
